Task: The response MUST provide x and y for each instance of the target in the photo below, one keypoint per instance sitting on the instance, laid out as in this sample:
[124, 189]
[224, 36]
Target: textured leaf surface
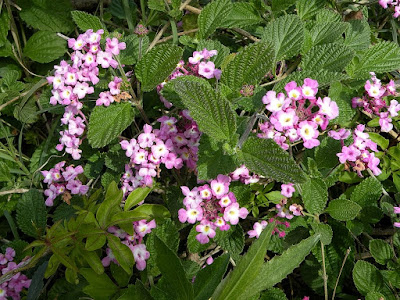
[212, 16]
[381, 57]
[106, 123]
[343, 210]
[367, 192]
[31, 213]
[286, 34]
[172, 270]
[246, 270]
[308, 8]
[44, 47]
[223, 51]
[315, 195]
[4, 27]
[100, 286]
[249, 66]
[156, 65]
[231, 240]
[327, 32]
[367, 278]
[325, 153]
[242, 14]
[121, 252]
[266, 158]
[381, 251]
[86, 21]
[208, 278]
[358, 35]
[130, 55]
[193, 244]
[279, 267]
[331, 57]
[342, 95]
[278, 5]
[208, 108]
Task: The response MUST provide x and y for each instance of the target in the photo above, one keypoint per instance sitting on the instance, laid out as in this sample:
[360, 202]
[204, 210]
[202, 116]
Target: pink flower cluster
[13, 287]
[71, 83]
[391, 3]
[174, 144]
[396, 210]
[198, 65]
[373, 102]
[134, 242]
[298, 115]
[357, 155]
[60, 179]
[213, 205]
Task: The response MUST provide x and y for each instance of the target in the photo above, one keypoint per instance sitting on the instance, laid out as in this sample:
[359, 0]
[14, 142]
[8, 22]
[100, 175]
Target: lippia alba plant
[199, 149]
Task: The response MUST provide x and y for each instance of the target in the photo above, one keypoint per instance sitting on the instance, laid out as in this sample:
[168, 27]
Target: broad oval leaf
[343, 210]
[87, 21]
[107, 123]
[110, 204]
[265, 157]
[138, 195]
[315, 195]
[380, 251]
[212, 16]
[156, 65]
[367, 278]
[121, 252]
[44, 47]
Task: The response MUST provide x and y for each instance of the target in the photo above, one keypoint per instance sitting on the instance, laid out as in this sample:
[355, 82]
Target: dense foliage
[199, 149]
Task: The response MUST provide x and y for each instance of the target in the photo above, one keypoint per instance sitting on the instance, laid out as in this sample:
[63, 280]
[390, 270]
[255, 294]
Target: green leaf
[110, 204]
[331, 57]
[156, 5]
[44, 47]
[380, 140]
[242, 15]
[5, 174]
[231, 240]
[172, 270]
[138, 195]
[380, 251]
[212, 160]
[358, 35]
[367, 192]
[367, 278]
[193, 244]
[93, 260]
[100, 286]
[266, 158]
[207, 279]
[246, 270]
[315, 195]
[325, 153]
[136, 292]
[249, 66]
[107, 123]
[286, 34]
[325, 231]
[95, 242]
[278, 5]
[327, 32]
[342, 96]
[64, 258]
[156, 65]
[223, 51]
[4, 27]
[87, 21]
[121, 252]
[327, 15]
[374, 296]
[343, 210]
[37, 284]
[213, 16]
[275, 270]
[380, 58]
[47, 15]
[31, 213]
[208, 108]
[308, 8]
[130, 55]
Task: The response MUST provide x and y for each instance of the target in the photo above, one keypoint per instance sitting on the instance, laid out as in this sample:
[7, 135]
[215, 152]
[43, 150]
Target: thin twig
[179, 34]
[193, 9]
[246, 34]
[14, 191]
[158, 36]
[325, 277]
[340, 272]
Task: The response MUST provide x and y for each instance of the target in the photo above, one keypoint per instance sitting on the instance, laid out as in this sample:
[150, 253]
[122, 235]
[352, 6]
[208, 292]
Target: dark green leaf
[213, 16]
[121, 252]
[31, 213]
[381, 251]
[86, 21]
[343, 210]
[367, 192]
[100, 286]
[315, 195]
[110, 204]
[44, 47]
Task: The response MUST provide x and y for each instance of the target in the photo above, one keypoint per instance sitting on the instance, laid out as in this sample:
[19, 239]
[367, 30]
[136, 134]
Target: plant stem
[325, 277]
[158, 36]
[179, 34]
[340, 272]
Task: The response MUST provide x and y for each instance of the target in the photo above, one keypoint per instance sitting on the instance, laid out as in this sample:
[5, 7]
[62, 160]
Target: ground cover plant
[199, 149]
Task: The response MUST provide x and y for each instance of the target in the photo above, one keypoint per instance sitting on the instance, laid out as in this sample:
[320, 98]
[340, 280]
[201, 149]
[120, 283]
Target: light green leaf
[44, 47]
[121, 252]
[213, 16]
[31, 213]
[273, 294]
[95, 242]
[265, 157]
[325, 231]
[380, 251]
[172, 270]
[208, 108]
[286, 34]
[331, 57]
[246, 270]
[308, 8]
[279, 267]
[342, 96]
[367, 278]
[358, 35]
[327, 15]
[93, 260]
[5, 174]
[4, 26]
[327, 32]
[367, 192]
[138, 195]
[380, 140]
[315, 195]
[207, 279]
[249, 66]
[107, 123]
[242, 14]
[381, 57]
[110, 205]
[278, 5]
[343, 210]
[100, 286]
[130, 55]
[158, 5]
[87, 21]
[157, 64]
